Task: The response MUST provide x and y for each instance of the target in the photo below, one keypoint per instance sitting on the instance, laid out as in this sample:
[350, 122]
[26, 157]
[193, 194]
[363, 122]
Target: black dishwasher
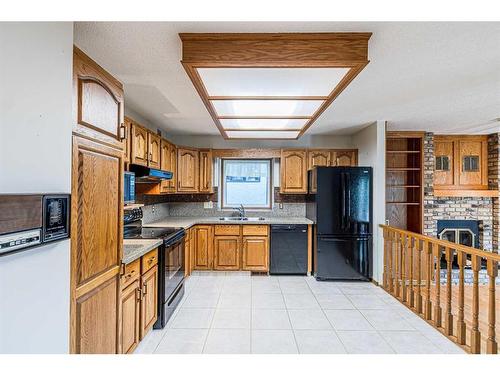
[288, 249]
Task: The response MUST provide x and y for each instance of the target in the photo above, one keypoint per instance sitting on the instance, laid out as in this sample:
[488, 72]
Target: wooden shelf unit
[404, 180]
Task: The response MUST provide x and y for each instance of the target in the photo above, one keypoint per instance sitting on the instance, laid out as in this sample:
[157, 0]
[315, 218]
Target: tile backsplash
[159, 211]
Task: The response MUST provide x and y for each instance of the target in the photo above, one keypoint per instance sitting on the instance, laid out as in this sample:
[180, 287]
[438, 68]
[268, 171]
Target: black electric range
[171, 268]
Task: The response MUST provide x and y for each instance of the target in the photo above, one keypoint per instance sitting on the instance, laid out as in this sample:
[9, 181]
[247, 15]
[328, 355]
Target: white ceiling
[441, 77]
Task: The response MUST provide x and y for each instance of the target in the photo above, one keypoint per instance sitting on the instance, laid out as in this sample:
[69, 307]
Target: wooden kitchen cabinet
[169, 164]
[203, 247]
[149, 302]
[318, 158]
[293, 172]
[154, 149]
[206, 166]
[139, 145]
[344, 158]
[96, 209]
[227, 253]
[255, 253]
[131, 316]
[187, 170]
[461, 162]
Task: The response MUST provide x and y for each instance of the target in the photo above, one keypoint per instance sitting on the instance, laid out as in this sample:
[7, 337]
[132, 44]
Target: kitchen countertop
[188, 221]
[134, 248]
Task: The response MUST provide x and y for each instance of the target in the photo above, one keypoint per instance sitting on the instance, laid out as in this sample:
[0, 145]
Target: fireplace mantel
[465, 193]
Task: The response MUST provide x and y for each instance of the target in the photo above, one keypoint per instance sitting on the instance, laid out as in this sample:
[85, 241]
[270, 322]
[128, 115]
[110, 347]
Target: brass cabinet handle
[150, 260]
[138, 294]
[145, 290]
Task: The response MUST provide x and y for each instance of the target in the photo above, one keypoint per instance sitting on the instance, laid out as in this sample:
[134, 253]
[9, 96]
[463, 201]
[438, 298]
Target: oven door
[174, 268]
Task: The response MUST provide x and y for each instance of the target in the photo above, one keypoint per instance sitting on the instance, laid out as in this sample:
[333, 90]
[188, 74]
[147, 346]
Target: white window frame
[269, 185]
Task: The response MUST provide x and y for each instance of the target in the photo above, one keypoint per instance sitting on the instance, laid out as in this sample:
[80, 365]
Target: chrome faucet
[241, 211]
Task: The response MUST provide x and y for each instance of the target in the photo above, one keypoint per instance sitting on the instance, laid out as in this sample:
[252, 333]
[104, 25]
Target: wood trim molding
[279, 50]
[466, 193]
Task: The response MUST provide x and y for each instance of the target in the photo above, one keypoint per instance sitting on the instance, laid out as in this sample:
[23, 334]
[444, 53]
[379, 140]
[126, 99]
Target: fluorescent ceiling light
[251, 124]
[263, 134]
[271, 81]
[284, 108]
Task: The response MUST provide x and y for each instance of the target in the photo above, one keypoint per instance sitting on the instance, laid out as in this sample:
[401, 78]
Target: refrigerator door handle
[348, 209]
[343, 199]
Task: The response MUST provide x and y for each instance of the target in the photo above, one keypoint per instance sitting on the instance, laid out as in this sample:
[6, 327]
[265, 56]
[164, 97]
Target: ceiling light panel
[263, 134]
[271, 81]
[283, 108]
[263, 124]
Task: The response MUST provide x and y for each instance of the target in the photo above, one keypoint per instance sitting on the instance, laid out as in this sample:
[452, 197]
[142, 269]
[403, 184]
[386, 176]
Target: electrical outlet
[281, 206]
[208, 204]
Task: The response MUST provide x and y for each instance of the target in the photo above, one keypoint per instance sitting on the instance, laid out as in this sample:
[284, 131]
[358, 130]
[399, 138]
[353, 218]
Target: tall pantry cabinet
[96, 208]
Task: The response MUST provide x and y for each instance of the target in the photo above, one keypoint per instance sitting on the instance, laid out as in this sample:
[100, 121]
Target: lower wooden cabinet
[255, 253]
[131, 317]
[203, 247]
[227, 253]
[228, 247]
[139, 300]
[149, 303]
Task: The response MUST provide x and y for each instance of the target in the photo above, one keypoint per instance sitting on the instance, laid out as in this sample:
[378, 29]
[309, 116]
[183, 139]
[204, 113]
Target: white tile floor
[238, 313]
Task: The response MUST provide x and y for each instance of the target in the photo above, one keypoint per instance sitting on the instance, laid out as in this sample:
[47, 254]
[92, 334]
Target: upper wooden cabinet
[139, 145]
[206, 171]
[154, 148]
[461, 162]
[98, 102]
[293, 172]
[318, 158]
[187, 170]
[344, 158]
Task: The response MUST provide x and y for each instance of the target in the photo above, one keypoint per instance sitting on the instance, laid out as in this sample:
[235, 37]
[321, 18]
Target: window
[470, 163]
[442, 163]
[246, 182]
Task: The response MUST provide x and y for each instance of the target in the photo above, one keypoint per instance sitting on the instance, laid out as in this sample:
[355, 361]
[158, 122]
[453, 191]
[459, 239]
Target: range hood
[149, 175]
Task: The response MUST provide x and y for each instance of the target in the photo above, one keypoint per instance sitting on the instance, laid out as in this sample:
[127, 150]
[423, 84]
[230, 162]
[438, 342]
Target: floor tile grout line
[212, 320]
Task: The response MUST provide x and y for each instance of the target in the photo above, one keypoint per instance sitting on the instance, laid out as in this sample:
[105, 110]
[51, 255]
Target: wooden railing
[464, 312]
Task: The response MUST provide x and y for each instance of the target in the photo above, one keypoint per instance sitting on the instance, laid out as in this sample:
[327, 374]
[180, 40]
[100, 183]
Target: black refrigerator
[340, 204]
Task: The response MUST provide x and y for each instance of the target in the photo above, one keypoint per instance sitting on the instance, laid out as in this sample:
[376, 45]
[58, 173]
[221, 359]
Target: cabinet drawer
[227, 230]
[255, 230]
[149, 260]
[132, 273]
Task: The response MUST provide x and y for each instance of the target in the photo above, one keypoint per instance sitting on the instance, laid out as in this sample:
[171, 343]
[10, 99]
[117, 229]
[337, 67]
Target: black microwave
[129, 188]
[31, 220]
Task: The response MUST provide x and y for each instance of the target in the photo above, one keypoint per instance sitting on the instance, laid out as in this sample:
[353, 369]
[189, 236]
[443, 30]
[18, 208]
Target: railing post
[491, 344]
[437, 304]
[418, 302]
[428, 304]
[475, 339]
[384, 276]
[397, 267]
[461, 328]
[390, 271]
[448, 319]
[411, 295]
[402, 246]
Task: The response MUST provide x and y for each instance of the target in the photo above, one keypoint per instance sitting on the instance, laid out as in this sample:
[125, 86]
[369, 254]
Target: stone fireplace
[463, 219]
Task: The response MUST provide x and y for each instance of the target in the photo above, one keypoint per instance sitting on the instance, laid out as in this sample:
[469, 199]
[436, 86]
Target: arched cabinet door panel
[99, 102]
[293, 167]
